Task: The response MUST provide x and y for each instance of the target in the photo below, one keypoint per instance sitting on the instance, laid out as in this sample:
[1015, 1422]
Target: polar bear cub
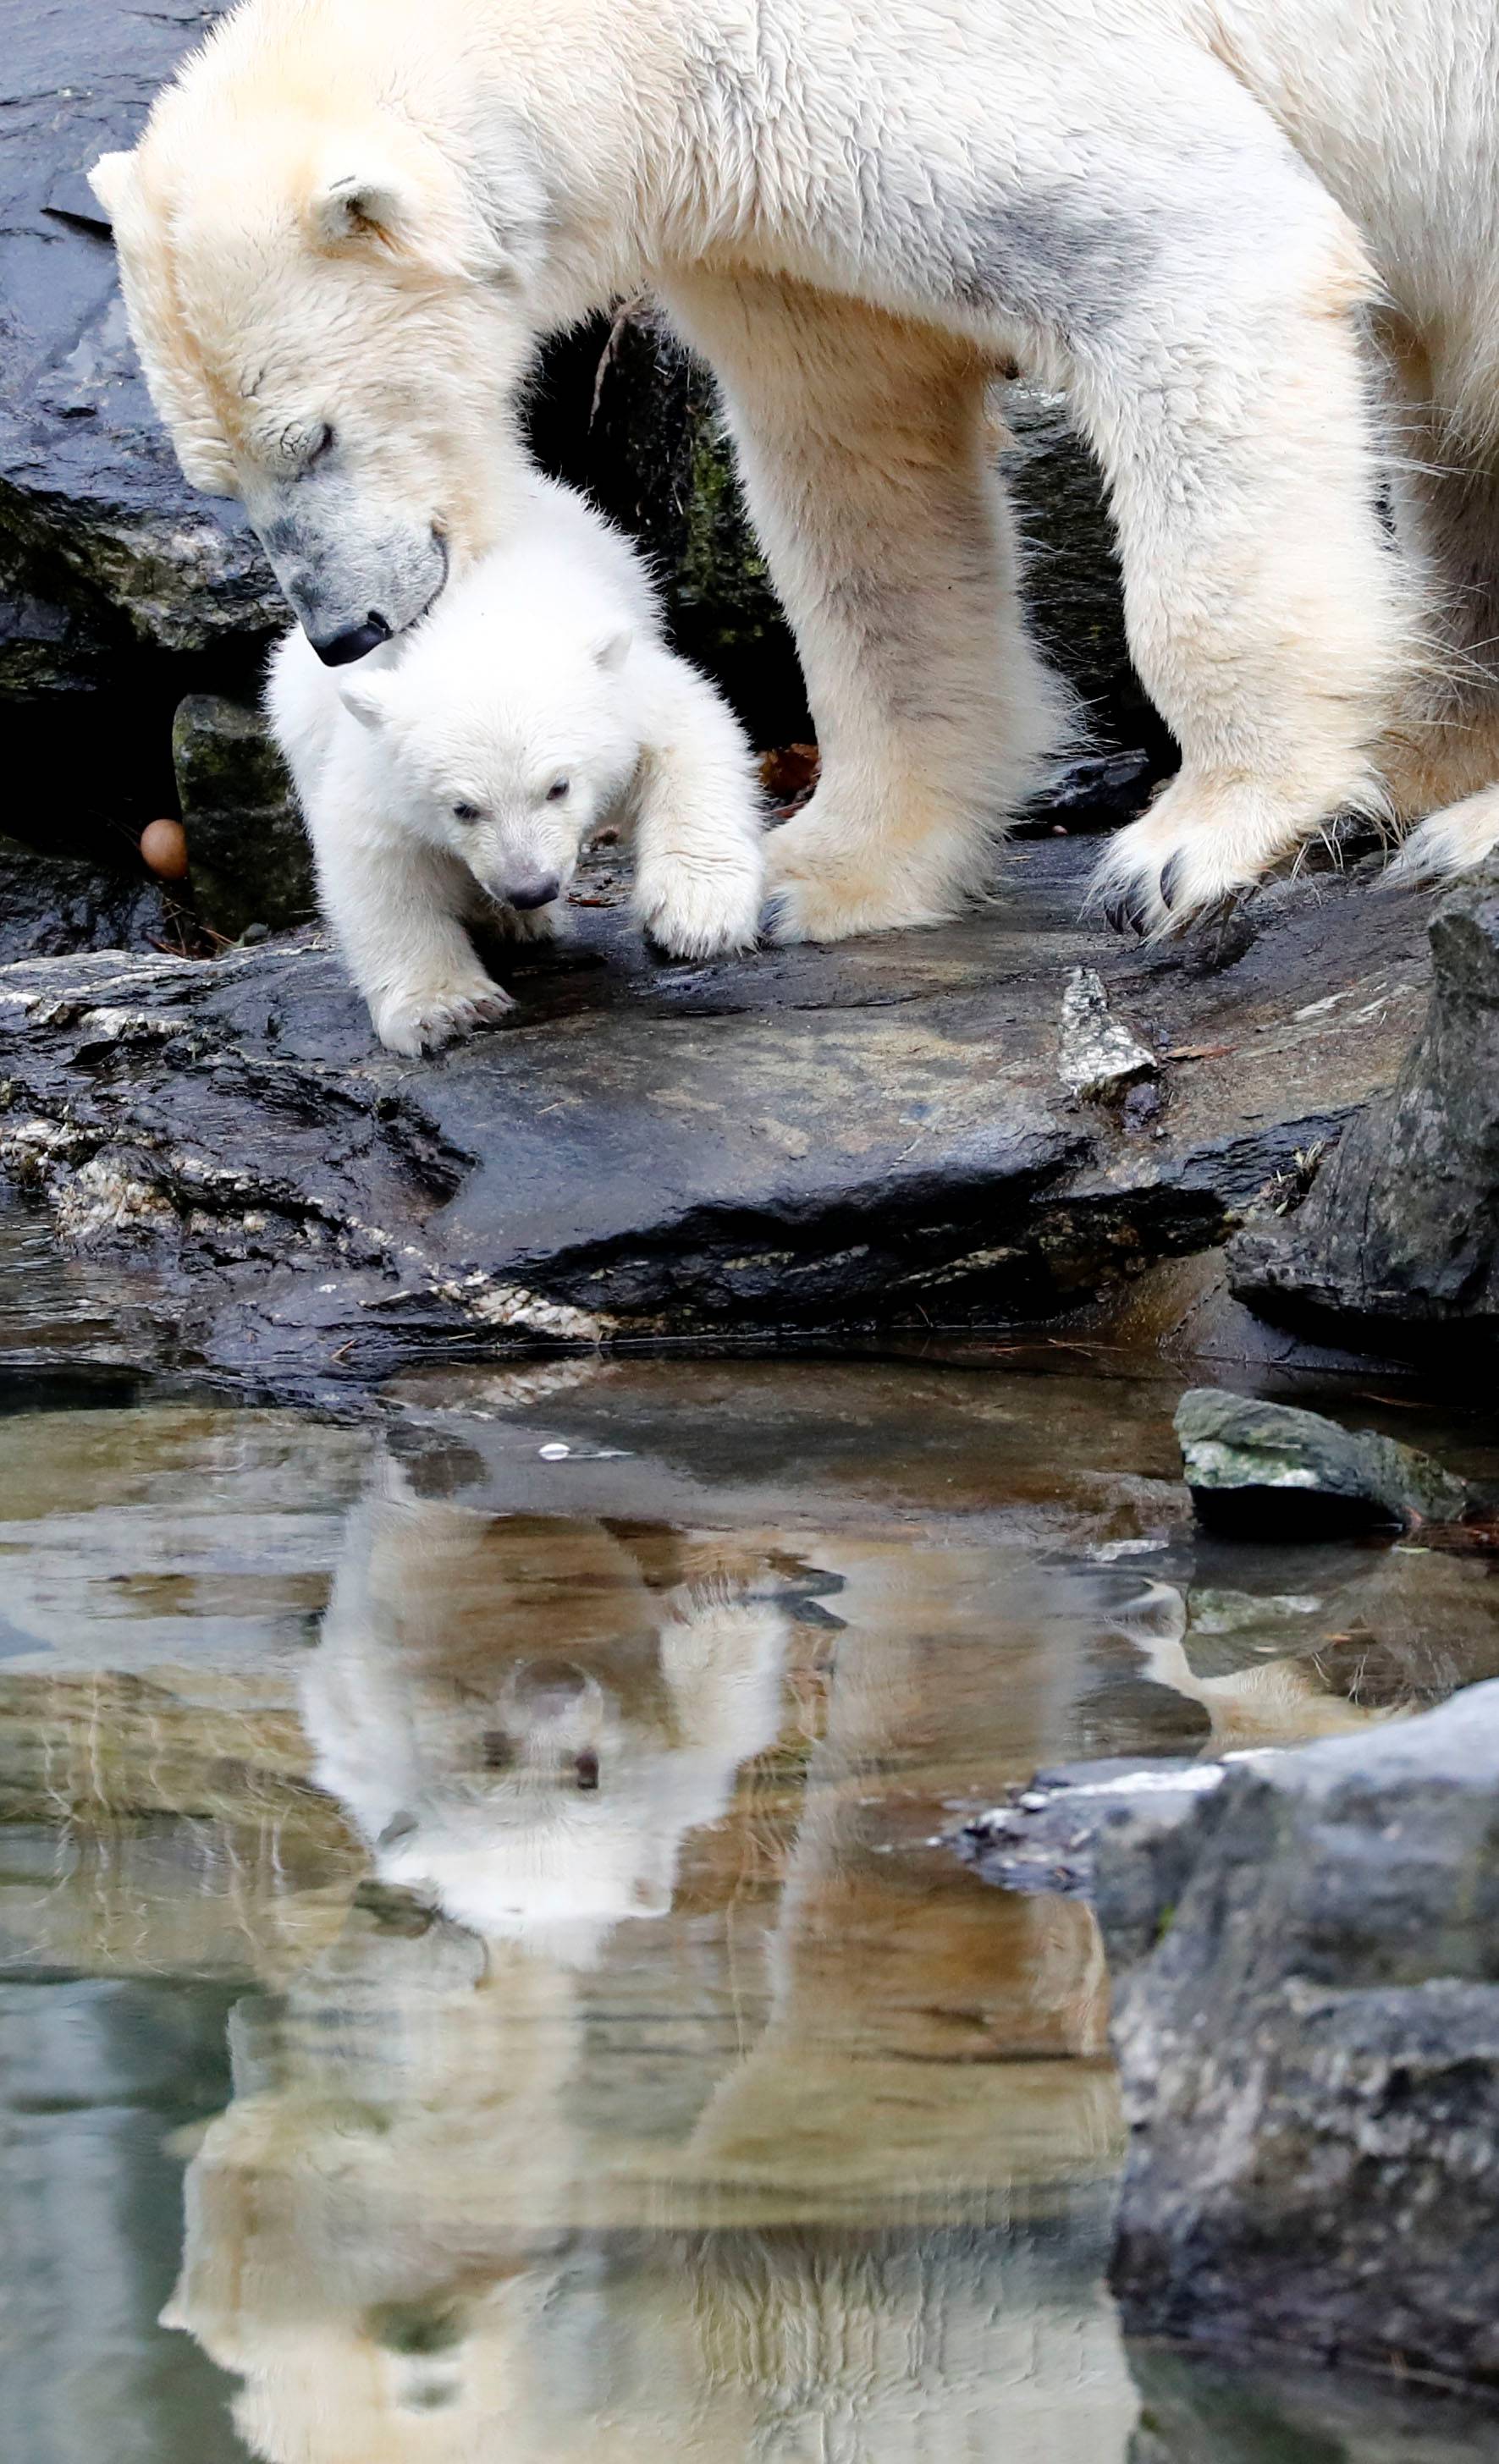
[455, 778]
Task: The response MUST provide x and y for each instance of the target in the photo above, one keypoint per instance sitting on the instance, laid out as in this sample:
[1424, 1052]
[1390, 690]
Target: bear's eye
[322, 444]
[466, 812]
[558, 790]
[586, 1771]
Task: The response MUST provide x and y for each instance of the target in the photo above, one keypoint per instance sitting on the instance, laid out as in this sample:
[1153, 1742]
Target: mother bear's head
[333, 312]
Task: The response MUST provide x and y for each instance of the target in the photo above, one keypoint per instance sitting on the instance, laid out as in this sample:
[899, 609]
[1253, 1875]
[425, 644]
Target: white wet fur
[540, 698]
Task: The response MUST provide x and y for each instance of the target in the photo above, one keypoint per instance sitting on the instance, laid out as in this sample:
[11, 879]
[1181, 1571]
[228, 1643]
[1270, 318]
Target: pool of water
[480, 1977]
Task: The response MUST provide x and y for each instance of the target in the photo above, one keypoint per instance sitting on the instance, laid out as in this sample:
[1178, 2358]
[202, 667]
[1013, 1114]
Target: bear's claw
[423, 1021]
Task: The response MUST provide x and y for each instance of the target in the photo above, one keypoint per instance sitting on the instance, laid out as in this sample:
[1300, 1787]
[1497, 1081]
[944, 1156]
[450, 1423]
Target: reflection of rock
[1368, 1639]
[1281, 1701]
[798, 1138]
[1268, 1467]
[1319, 2167]
[1195, 2410]
[252, 862]
[1399, 1241]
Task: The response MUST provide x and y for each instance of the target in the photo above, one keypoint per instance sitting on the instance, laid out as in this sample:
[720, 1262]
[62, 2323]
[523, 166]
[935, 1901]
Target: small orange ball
[163, 846]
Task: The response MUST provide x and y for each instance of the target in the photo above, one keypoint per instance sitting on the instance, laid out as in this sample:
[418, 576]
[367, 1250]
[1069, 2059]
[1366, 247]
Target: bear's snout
[526, 890]
[342, 650]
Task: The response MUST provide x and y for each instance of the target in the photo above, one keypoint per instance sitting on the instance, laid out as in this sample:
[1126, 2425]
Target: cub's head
[332, 322]
[508, 732]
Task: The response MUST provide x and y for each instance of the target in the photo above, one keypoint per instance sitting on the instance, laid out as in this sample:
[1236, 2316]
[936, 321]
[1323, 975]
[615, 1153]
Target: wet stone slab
[880, 1134]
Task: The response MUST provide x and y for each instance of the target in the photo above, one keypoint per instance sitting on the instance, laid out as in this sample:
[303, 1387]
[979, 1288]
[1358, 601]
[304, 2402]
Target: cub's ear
[351, 202]
[611, 651]
[367, 698]
[112, 183]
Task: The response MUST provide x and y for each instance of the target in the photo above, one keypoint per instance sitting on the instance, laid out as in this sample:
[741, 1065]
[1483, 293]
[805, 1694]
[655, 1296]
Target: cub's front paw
[428, 1016]
[702, 909]
[527, 923]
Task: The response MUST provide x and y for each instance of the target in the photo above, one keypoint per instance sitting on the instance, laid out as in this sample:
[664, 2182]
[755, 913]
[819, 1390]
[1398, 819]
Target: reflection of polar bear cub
[525, 1718]
[462, 779]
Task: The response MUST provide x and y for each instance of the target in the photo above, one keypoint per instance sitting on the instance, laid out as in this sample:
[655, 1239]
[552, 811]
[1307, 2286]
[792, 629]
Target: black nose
[342, 650]
[526, 895]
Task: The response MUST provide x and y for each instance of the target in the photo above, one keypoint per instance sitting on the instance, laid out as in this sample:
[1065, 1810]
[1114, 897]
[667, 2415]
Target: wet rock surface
[57, 904]
[1046, 1837]
[1397, 1244]
[105, 549]
[1318, 2167]
[1263, 1467]
[871, 1136]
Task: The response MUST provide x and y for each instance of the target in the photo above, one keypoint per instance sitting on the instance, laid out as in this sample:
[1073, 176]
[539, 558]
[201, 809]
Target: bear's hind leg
[866, 455]
[1269, 615]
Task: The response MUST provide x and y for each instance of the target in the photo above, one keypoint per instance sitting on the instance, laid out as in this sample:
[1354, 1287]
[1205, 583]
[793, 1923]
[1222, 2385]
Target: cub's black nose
[526, 895]
[342, 650]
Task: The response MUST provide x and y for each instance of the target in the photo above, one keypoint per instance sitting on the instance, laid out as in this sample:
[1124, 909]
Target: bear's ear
[351, 202]
[611, 651]
[367, 698]
[112, 183]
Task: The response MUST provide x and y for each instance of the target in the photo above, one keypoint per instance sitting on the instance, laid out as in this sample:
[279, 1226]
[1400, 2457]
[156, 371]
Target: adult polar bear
[348, 221]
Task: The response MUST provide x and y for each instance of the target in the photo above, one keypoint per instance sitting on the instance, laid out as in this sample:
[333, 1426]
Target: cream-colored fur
[457, 777]
[348, 220]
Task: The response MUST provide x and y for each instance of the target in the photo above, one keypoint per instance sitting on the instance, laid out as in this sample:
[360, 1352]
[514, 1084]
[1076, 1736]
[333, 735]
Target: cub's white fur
[456, 775]
[1257, 241]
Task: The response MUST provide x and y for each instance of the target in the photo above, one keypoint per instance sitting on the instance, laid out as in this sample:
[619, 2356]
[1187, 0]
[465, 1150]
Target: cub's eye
[558, 790]
[586, 1771]
[466, 812]
[321, 445]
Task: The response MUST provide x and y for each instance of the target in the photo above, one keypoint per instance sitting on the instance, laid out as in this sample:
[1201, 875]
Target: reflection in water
[617, 2073]
[1280, 1701]
[421, 2230]
[525, 1716]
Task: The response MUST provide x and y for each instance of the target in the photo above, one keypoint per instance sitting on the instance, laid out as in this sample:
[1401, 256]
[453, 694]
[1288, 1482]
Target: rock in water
[252, 862]
[1310, 2055]
[1399, 1241]
[1271, 1469]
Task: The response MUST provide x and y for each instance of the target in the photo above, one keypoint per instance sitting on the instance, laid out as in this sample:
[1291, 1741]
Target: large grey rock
[1263, 1467]
[104, 550]
[1310, 2055]
[1399, 1241]
[869, 1135]
[251, 858]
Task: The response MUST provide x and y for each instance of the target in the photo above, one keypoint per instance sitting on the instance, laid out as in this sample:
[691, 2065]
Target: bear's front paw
[426, 1017]
[527, 923]
[702, 909]
[1202, 842]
